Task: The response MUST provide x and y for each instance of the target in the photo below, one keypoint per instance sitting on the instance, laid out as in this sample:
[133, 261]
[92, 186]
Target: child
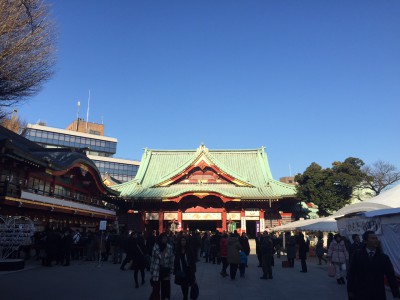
[243, 263]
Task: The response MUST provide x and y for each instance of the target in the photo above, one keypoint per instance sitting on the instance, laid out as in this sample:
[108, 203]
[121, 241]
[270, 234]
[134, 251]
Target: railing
[10, 189]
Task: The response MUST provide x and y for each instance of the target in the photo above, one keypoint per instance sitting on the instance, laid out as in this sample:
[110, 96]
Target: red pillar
[160, 222]
[180, 219]
[224, 219]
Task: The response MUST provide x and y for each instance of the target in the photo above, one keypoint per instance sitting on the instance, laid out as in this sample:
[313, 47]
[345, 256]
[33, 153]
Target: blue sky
[312, 81]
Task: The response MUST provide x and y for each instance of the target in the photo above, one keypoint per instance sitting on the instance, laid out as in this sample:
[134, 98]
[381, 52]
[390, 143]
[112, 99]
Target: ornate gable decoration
[203, 171]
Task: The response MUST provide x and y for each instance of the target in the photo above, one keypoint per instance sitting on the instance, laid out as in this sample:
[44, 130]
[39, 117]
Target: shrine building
[54, 187]
[207, 190]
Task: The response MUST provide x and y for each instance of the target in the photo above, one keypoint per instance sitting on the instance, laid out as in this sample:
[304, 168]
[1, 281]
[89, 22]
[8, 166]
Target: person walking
[184, 267]
[224, 254]
[130, 250]
[244, 242]
[290, 246]
[267, 252]
[243, 263]
[233, 254]
[368, 268]
[258, 249]
[319, 250]
[338, 255]
[161, 267]
[139, 259]
[357, 245]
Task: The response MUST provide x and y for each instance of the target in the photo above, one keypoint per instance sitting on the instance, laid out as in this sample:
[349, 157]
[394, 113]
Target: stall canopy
[321, 224]
[386, 200]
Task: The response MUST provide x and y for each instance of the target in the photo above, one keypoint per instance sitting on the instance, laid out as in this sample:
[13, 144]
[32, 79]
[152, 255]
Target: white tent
[385, 223]
[294, 225]
[322, 224]
[380, 214]
[388, 199]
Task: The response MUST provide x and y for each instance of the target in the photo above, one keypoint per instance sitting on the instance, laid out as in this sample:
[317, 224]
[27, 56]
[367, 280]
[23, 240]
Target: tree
[14, 123]
[380, 176]
[27, 52]
[330, 188]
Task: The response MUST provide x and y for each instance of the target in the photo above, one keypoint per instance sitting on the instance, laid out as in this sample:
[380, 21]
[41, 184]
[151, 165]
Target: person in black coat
[130, 249]
[367, 270]
[66, 246]
[267, 252]
[139, 258]
[258, 249]
[184, 266]
[302, 252]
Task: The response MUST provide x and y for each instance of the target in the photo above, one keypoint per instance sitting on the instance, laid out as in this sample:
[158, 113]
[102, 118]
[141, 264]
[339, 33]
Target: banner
[359, 226]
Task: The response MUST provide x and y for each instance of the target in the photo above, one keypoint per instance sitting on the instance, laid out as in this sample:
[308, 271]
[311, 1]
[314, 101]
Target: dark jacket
[244, 242]
[190, 262]
[302, 247]
[267, 246]
[366, 276]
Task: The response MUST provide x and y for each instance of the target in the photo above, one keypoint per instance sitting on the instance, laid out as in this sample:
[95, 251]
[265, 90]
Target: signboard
[359, 226]
[252, 213]
[233, 216]
[103, 225]
[201, 216]
[170, 216]
[243, 223]
[151, 216]
[262, 225]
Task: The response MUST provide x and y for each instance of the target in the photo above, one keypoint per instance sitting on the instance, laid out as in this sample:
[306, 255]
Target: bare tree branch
[27, 53]
[380, 176]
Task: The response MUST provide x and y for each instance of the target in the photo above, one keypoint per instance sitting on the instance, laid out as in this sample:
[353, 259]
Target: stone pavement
[87, 280]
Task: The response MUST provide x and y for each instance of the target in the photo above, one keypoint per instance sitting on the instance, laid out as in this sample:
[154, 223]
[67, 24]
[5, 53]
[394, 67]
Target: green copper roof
[247, 166]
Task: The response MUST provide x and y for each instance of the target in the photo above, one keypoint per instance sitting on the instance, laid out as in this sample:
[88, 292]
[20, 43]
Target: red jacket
[223, 247]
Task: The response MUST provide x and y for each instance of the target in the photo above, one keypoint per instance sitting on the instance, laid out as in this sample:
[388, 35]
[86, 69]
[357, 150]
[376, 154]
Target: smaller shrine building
[207, 190]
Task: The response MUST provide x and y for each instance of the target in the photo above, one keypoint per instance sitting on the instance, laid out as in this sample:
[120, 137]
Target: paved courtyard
[87, 280]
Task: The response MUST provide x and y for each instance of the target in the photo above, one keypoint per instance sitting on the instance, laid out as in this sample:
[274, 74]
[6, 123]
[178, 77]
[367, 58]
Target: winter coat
[190, 266]
[223, 247]
[337, 252]
[244, 242]
[319, 248]
[155, 263]
[233, 250]
[290, 247]
[366, 276]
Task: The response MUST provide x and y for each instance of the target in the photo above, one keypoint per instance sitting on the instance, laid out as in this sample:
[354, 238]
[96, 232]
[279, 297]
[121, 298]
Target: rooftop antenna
[87, 113]
[77, 115]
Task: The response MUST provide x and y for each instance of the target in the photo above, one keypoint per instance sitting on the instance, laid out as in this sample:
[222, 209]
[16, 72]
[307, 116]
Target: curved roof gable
[247, 170]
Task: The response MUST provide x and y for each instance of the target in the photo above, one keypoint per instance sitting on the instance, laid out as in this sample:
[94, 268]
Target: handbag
[180, 278]
[331, 271]
[194, 291]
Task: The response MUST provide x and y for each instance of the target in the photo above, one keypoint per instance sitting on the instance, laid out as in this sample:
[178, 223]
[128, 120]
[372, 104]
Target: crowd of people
[175, 255]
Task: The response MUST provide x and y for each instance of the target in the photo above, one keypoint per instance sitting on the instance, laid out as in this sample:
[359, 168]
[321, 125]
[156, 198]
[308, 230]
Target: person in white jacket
[338, 256]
